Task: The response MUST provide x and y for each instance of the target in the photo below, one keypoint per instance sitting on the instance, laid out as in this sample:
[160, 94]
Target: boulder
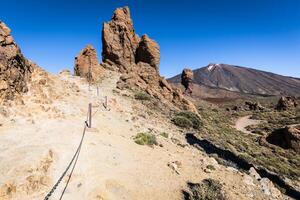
[287, 138]
[286, 103]
[254, 106]
[14, 67]
[292, 138]
[119, 41]
[269, 189]
[86, 64]
[148, 52]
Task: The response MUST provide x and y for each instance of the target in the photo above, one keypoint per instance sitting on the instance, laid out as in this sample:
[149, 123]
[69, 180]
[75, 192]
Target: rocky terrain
[14, 68]
[147, 140]
[221, 80]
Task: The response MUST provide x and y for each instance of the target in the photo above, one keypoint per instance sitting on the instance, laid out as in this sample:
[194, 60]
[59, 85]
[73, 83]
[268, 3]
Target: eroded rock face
[15, 69]
[187, 77]
[148, 52]
[138, 60]
[255, 106]
[119, 41]
[287, 138]
[87, 62]
[286, 103]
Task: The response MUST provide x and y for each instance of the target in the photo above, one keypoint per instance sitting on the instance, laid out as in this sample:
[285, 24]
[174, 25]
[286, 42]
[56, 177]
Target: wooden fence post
[90, 115]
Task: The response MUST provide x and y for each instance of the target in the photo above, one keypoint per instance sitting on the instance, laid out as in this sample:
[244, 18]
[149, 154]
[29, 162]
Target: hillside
[130, 134]
[232, 79]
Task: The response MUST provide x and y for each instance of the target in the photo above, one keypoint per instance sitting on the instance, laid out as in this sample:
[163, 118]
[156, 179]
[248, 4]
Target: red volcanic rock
[86, 62]
[148, 52]
[119, 41]
[286, 103]
[14, 67]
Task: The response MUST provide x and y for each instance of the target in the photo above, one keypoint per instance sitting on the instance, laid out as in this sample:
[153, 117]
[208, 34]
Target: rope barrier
[87, 124]
[74, 158]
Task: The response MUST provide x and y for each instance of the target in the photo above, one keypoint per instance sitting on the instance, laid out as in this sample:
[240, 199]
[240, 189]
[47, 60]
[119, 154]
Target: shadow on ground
[240, 163]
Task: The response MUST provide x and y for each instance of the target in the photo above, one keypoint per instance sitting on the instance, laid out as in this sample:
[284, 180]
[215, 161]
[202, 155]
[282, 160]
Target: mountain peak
[212, 66]
[243, 80]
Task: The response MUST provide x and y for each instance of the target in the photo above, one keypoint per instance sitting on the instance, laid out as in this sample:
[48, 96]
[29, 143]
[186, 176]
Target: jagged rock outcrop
[286, 103]
[87, 62]
[287, 138]
[138, 60]
[15, 69]
[148, 52]
[254, 106]
[187, 77]
[119, 41]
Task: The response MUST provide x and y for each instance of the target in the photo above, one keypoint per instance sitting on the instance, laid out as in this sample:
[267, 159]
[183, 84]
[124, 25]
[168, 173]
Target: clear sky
[262, 34]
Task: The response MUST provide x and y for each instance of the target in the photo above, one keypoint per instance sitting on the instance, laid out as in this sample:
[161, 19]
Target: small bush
[211, 167]
[186, 119]
[145, 139]
[208, 189]
[164, 134]
[142, 96]
[182, 122]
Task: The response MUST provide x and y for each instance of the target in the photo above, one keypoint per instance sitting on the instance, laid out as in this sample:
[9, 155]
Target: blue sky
[262, 34]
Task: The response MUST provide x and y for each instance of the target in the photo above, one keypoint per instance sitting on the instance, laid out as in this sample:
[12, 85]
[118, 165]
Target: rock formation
[15, 69]
[187, 77]
[86, 62]
[286, 103]
[119, 41]
[254, 106]
[137, 59]
[287, 138]
[292, 137]
[148, 52]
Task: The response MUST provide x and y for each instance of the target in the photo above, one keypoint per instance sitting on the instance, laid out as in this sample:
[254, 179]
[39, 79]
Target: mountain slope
[243, 80]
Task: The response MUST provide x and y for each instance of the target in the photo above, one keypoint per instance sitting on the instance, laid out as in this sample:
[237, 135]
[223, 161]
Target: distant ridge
[242, 80]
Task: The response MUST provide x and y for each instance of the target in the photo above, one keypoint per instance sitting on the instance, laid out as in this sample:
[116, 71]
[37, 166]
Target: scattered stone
[248, 180]
[254, 173]
[175, 165]
[269, 189]
[286, 103]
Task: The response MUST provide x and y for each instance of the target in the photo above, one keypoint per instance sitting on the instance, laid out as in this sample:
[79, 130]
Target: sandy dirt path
[245, 121]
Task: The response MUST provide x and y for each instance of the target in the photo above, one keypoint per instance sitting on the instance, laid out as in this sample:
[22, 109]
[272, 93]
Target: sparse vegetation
[145, 139]
[218, 129]
[143, 96]
[165, 135]
[208, 189]
[211, 167]
[182, 122]
[186, 119]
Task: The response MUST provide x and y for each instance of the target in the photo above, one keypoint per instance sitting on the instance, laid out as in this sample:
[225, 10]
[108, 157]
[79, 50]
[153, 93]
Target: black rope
[63, 192]
[75, 157]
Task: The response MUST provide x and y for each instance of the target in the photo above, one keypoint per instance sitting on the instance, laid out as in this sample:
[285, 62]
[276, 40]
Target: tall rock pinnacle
[119, 40]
